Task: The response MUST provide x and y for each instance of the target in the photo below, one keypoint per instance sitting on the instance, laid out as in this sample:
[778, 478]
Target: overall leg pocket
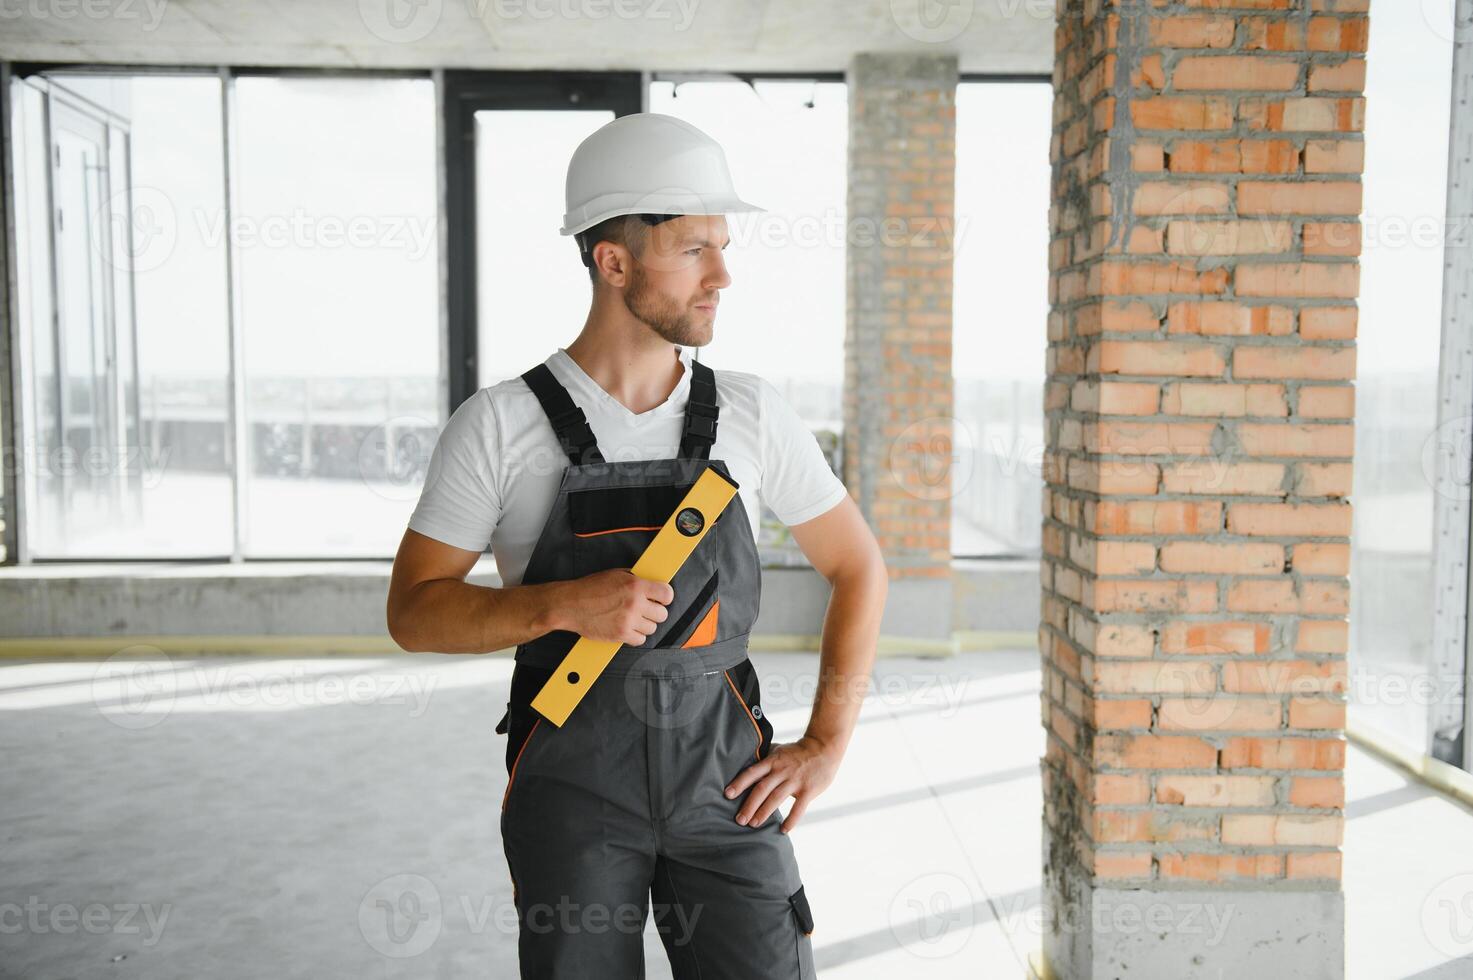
[801, 912]
[803, 919]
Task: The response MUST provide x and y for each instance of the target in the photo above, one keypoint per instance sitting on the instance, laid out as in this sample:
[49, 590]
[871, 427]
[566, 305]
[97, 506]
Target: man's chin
[686, 335]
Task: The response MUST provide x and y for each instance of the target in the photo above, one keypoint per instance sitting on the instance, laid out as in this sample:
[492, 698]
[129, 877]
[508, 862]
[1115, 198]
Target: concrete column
[897, 345]
[1204, 269]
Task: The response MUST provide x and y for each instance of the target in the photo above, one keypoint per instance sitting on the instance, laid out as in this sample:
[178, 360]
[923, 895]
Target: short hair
[621, 231]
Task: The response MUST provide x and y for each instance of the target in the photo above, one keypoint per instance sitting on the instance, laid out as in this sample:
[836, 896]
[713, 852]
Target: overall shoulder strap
[568, 420]
[700, 414]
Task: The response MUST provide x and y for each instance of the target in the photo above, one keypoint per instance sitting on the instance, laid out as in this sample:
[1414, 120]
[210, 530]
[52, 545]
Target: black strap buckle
[704, 428]
[700, 420]
[568, 421]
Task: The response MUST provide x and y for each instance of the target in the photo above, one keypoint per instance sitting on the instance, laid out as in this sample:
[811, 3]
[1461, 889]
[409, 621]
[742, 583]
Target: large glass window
[1000, 308]
[337, 243]
[1391, 608]
[125, 235]
[127, 384]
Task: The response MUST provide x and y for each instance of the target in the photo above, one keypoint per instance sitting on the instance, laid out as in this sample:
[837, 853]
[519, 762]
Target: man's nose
[718, 277]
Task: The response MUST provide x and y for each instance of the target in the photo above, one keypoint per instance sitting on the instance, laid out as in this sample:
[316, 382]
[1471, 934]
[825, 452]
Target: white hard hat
[647, 162]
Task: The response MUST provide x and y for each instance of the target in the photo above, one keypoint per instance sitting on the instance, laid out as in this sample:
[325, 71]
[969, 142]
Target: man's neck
[639, 374]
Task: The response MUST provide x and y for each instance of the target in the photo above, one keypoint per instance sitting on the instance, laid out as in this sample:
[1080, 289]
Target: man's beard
[660, 313]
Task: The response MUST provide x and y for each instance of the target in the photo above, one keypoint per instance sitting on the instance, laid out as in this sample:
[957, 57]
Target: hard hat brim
[586, 218]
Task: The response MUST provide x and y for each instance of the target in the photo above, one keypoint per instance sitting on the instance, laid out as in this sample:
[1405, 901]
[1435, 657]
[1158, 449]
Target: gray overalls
[625, 802]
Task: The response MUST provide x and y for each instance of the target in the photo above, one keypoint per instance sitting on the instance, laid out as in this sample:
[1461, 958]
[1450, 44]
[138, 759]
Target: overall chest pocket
[613, 526]
[620, 510]
[695, 625]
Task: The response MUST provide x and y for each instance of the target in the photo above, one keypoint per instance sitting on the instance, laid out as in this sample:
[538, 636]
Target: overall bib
[625, 802]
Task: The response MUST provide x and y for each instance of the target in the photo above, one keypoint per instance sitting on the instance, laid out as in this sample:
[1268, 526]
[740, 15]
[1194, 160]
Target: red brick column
[897, 365]
[1204, 267]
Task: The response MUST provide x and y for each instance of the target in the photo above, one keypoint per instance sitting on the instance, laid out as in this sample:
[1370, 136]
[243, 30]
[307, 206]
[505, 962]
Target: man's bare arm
[431, 608]
[841, 546]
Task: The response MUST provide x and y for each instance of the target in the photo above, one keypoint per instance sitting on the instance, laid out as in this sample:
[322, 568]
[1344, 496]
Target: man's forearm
[451, 616]
[851, 629]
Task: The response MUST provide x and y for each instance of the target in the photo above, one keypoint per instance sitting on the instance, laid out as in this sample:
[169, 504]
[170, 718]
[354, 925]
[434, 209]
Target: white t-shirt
[496, 466]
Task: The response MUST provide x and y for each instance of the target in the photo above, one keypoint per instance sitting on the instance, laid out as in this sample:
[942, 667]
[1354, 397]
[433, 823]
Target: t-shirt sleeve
[797, 482]
[460, 502]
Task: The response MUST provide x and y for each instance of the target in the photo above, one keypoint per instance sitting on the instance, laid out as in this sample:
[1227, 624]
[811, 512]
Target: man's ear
[612, 261]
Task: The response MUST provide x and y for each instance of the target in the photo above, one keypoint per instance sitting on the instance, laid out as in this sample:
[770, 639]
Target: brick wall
[897, 362]
[1204, 267]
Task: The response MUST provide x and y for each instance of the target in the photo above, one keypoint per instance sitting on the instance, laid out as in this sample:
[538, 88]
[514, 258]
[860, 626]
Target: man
[661, 781]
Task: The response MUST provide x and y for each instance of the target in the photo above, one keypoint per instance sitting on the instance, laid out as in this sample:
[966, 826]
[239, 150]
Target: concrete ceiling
[988, 36]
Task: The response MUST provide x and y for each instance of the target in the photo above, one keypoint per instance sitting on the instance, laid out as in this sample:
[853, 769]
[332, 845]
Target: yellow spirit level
[672, 545]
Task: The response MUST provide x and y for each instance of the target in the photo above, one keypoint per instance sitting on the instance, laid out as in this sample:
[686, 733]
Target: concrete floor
[251, 817]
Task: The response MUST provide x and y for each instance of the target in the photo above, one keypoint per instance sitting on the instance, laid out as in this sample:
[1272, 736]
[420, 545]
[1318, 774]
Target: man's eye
[692, 251]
